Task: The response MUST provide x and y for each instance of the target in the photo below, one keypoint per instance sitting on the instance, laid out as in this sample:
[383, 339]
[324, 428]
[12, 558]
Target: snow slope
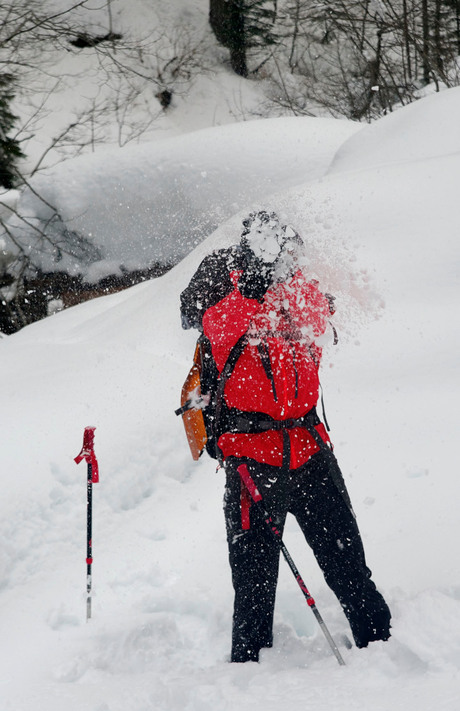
[71, 79]
[156, 201]
[382, 236]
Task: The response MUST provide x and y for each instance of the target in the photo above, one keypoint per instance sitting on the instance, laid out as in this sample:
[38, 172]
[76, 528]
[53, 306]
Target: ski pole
[258, 501]
[87, 453]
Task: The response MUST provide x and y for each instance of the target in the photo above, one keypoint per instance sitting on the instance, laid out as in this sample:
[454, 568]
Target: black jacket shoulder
[210, 283]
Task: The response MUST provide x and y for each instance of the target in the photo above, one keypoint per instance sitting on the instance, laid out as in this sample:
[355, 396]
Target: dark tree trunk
[426, 42]
[238, 46]
[226, 18]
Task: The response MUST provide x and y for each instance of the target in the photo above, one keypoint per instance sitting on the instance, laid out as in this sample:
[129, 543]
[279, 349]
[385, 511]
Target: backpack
[198, 401]
[203, 409]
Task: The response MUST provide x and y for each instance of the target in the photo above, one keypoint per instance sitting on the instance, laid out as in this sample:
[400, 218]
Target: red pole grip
[87, 453]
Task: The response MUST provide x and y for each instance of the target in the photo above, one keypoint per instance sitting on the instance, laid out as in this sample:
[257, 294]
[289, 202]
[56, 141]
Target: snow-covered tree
[10, 150]
[361, 58]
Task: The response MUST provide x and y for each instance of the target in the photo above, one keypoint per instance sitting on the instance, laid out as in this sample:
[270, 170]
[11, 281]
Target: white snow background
[381, 226]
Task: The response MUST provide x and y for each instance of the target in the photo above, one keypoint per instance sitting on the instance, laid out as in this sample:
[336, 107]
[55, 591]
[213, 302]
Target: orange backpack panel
[193, 417]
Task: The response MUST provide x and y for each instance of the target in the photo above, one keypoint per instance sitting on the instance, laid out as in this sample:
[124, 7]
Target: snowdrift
[156, 201]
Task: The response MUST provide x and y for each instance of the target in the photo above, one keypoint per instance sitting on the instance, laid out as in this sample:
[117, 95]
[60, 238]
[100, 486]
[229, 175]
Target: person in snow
[261, 321]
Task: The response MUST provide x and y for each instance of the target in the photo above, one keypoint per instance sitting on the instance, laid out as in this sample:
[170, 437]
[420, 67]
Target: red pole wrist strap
[87, 453]
[249, 493]
[245, 503]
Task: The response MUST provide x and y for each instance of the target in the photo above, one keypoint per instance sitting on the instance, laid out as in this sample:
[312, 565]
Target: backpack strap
[228, 369]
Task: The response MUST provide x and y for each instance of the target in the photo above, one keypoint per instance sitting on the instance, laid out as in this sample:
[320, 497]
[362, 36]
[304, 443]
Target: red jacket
[283, 327]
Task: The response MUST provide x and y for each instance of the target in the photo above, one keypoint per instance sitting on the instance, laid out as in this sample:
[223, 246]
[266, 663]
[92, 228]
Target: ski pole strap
[249, 483]
[245, 504]
[249, 493]
[87, 453]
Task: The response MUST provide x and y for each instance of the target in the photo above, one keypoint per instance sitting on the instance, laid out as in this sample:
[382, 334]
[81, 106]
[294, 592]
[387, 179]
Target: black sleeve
[210, 283]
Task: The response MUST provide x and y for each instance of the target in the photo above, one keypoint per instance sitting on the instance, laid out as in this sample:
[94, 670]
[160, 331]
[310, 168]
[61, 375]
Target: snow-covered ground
[381, 229]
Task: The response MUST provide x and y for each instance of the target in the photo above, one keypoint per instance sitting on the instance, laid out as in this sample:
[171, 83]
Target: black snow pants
[316, 495]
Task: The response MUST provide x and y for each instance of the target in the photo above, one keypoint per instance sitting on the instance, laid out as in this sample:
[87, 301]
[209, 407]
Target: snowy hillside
[135, 198]
[156, 201]
[382, 235]
[165, 44]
